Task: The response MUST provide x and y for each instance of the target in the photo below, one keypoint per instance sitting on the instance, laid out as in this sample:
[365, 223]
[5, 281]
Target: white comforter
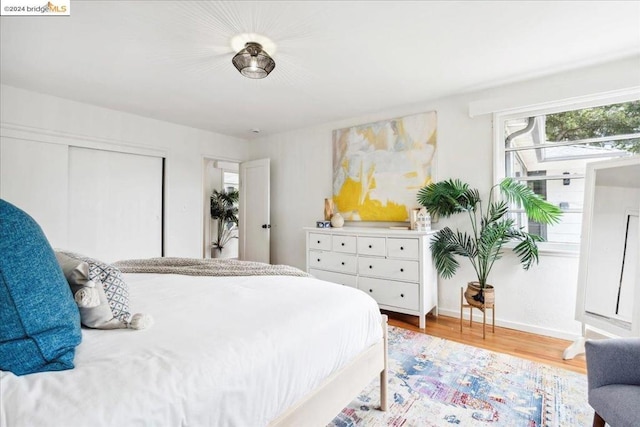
[224, 351]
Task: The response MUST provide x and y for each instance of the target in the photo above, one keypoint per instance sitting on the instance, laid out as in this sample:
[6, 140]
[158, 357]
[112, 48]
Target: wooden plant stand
[484, 309]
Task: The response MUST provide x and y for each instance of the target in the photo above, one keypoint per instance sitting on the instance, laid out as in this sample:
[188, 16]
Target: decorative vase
[479, 297]
[413, 219]
[328, 209]
[337, 221]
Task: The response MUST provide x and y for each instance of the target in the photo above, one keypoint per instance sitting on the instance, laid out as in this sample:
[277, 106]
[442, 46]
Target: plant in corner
[224, 209]
[491, 229]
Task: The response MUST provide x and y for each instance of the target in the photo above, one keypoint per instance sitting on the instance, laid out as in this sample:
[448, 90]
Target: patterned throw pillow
[116, 291]
[114, 287]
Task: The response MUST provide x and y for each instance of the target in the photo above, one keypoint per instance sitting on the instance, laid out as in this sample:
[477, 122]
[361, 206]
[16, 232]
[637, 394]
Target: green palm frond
[492, 238]
[485, 244]
[464, 245]
[527, 249]
[445, 245]
[472, 197]
[449, 197]
[537, 209]
[495, 212]
[443, 256]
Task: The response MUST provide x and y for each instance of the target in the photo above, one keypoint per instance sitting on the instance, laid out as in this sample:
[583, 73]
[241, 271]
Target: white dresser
[393, 266]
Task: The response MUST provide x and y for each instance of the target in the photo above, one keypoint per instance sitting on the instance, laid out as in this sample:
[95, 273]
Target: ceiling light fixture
[253, 62]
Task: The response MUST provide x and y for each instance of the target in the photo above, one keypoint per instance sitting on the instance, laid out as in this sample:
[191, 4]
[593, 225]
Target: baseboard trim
[477, 317]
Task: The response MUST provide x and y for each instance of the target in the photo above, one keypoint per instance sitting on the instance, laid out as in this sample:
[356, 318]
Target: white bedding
[224, 351]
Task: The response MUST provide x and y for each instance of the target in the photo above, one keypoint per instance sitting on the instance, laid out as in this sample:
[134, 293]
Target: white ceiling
[171, 60]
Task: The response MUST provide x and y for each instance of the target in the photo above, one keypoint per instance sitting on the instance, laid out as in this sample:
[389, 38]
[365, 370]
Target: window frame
[547, 108]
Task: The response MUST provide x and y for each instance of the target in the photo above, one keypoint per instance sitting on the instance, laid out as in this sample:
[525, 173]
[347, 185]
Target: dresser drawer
[332, 261]
[346, 244]
[372, 246]
[395, 269]
[393, 266]
[320, 241]
[339, 278]
[395, 294]
[403, 248]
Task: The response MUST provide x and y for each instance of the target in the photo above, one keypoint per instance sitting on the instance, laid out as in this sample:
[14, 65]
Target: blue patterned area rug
[436, 382]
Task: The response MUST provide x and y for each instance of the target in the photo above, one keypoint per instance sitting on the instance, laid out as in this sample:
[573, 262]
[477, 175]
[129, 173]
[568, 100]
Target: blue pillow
[39, 320]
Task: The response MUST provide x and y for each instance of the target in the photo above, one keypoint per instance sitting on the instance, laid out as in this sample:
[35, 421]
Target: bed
[223, 351]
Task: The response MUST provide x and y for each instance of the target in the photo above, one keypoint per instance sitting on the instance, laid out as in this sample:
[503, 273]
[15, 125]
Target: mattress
[224, 351]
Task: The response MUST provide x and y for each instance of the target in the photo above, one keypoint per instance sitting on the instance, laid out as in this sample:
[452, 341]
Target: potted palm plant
[491, 229]
[224, 209]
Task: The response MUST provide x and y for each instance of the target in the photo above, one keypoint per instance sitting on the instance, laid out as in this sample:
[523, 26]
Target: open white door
[254, 224]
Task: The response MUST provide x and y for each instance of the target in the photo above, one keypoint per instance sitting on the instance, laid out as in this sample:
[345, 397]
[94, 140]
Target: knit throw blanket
[206, 267]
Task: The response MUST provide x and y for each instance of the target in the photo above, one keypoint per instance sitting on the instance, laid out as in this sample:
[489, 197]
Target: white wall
[541, 300]
[185, 149]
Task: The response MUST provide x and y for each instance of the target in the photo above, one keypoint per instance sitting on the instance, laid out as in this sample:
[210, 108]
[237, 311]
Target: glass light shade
[253, 62]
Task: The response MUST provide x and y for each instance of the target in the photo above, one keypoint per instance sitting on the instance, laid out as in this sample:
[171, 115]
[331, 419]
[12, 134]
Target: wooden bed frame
[322, 405]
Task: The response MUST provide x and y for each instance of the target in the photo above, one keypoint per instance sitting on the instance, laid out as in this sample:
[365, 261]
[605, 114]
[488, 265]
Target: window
[231, 180]
[550, 149]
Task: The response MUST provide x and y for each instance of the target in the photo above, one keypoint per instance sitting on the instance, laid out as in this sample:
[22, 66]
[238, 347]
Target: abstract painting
[379, 167]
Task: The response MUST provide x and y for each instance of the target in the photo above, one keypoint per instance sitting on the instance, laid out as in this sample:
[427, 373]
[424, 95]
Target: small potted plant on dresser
[224, 209]
[491, 229]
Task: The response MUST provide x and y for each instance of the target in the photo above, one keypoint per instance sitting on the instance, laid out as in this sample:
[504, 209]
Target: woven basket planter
[473, 288]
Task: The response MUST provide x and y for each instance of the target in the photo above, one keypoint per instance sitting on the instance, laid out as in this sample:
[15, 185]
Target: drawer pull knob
[402, 248]
[342, 244]
[370, 290]
[402, 270]
[371, 266]
[370, 246]
[318, 259]
[318, 241]
[401, 295]
[342, 262]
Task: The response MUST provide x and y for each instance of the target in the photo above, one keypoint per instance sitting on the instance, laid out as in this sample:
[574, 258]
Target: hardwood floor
[534, 347]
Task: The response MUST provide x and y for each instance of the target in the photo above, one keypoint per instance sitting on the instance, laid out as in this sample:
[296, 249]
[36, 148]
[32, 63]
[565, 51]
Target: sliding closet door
[115, 204]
